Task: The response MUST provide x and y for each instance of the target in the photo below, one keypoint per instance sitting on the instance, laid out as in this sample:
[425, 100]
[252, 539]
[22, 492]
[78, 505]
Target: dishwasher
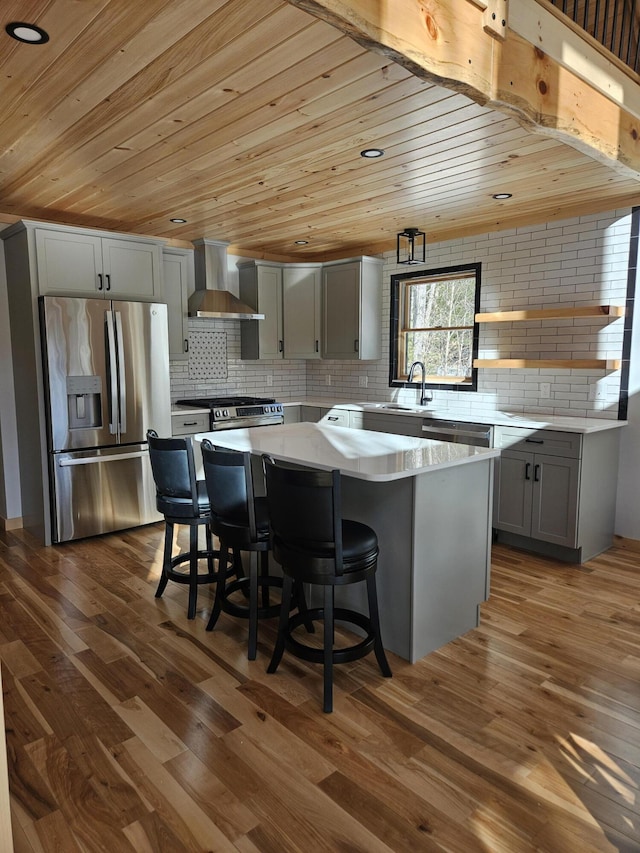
[460, 432]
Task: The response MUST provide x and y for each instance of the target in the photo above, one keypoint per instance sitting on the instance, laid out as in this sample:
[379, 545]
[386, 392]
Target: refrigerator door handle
[92, 460]
[112, 373]
[122, 380]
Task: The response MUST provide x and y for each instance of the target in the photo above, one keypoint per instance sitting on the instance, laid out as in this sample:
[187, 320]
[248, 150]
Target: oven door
[477, 435]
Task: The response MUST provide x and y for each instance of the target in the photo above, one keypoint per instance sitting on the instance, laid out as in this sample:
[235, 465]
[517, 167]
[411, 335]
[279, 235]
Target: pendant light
[411, 246]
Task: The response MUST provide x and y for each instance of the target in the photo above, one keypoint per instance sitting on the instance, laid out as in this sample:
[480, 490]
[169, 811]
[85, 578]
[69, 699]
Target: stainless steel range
[237, 412]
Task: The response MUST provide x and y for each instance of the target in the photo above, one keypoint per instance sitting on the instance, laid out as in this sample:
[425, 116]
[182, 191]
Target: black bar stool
[240, 521]
[182, 500]
[315, 545]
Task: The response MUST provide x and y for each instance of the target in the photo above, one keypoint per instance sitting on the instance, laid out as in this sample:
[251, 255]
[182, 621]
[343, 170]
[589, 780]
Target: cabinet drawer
[550, 442]
[335, 417]
[189, 424]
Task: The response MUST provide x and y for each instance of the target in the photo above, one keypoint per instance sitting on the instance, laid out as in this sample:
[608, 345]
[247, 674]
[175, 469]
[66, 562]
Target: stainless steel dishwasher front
[460, 432]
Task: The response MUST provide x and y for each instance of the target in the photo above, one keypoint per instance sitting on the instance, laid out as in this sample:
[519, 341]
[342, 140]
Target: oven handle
[245, 423]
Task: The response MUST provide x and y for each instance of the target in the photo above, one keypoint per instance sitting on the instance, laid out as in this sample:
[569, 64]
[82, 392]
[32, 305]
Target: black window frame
[397, 280]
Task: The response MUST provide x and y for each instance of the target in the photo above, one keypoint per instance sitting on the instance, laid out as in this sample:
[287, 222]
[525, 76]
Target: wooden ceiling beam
[445, 42]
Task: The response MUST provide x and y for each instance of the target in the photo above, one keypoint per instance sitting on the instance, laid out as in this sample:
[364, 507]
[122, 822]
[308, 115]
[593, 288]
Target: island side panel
[387, 507]
[452, 553]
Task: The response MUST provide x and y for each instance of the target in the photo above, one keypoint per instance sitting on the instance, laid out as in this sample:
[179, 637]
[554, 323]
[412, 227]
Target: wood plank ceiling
[248, 121]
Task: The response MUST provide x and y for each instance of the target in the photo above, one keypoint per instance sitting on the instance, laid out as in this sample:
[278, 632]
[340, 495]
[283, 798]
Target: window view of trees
[433, 321]
[439, 325]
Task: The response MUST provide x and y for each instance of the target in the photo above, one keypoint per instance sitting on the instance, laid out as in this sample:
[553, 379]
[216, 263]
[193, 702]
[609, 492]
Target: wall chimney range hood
[211, 297]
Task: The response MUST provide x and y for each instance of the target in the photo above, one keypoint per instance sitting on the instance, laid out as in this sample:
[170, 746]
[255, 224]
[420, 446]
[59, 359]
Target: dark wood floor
[131, 729]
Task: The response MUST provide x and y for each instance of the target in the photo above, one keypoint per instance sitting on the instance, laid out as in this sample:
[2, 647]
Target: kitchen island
[430, 505]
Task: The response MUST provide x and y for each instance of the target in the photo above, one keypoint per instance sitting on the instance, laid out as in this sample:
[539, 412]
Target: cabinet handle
[100, 284]
[332, 418]
[186, 345]
[280, 346]
[108, 278]
[317, 348]
[189, 423]
[536, 473]
[356, 344]
[527, 471]
[534, 441]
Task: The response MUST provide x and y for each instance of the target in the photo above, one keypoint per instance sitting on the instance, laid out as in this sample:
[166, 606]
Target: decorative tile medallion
[207, 355]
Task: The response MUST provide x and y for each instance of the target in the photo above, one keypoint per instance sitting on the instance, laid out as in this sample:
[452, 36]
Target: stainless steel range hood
[211, 297]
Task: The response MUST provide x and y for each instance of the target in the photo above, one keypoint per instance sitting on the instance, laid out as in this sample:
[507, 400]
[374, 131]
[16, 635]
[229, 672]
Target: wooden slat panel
[248, 122]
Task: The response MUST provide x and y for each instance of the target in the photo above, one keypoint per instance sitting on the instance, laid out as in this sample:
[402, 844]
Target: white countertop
[366, 455]
[497, 418]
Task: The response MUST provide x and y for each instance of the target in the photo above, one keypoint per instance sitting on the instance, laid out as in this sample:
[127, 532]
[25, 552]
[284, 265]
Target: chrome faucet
[423, 395]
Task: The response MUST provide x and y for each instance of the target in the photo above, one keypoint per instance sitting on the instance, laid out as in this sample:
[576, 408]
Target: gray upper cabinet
[261, 288]
[301, 305]
[177, 274]
[79, 263]
[352, 307]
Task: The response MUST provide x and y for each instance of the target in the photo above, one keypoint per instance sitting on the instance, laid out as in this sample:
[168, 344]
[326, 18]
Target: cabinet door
[310, 414]
[261, 288]
[341, 311]
[513, 493]
[270, 304]
[131, 269]
[555, 500]
[175, 268]
[301, 298]
[69, 264]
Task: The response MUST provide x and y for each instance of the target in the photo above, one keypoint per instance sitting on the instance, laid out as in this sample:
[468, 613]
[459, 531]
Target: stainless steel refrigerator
[106, 370]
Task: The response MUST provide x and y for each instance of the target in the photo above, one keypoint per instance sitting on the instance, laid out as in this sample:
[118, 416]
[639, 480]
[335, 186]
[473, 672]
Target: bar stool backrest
[229, 482]
[173, 468]
[305, 515]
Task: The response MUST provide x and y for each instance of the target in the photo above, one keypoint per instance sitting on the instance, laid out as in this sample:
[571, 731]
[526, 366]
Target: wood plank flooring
[130, 728]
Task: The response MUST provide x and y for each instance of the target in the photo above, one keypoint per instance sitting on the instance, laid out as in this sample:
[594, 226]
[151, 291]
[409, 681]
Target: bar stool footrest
[185, 577]
[341, 655]
[242, 585]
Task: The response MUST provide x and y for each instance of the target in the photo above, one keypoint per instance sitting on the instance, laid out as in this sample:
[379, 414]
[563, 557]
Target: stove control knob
[217, 413]
[226, 413]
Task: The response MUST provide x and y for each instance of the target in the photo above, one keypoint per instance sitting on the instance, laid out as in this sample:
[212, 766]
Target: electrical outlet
[363, 381]
[597, 392]
[545, 390]
[327, 379]
[269, 379]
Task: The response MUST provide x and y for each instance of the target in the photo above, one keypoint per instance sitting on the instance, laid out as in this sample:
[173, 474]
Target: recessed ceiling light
[28, 33]
[177, 220]
[502, 195]
[301, 242]
[372, 153]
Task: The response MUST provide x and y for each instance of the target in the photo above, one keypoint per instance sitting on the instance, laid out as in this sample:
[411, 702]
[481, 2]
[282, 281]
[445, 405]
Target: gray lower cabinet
[190, 423]
[292, 414]
[538, 496]
[555, 492]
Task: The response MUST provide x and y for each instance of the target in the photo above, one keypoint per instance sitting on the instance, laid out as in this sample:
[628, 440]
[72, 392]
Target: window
[433, 321]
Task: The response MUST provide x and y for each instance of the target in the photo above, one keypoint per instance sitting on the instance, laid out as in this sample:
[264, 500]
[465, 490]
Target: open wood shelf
[569, 363]
[558, 313]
